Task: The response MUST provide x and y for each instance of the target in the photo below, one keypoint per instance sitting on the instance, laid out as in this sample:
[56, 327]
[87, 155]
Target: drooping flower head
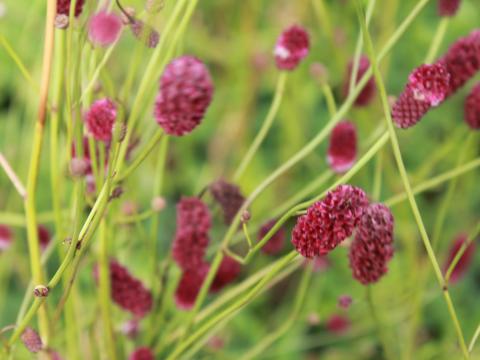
[448, 7]
[372, 247]
[464, 261]
[189, 286]
[329, 221]
[342, 149]
[63, 7]
[338, 324]
[191, 237]
[229, 197]
[100, 119]
[186, 91]
[142, 353]
[32, 340]
[104, 28]
[472, 108]
[227, 272]
[43, 236]
[275, 244]
[291, 47]
[368, 92]
[6, 237]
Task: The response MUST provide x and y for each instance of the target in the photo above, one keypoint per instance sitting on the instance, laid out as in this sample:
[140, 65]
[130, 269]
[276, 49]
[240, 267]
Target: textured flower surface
[189, 286]
[330, 221]
[465, 260]
[338, 324]
[191, 237]
[472, 108]
[430, 83]
[186, 91]
[32, 340]
[368, 92]
[5, 237]
[275, 244]
[228, 271]
[372, 248]
[292, 46]
[229, 197]
[342, 149]
[448, 7]
[407, 110]
[100, 119]
[104, 28]
[63, 7]
[142, 353]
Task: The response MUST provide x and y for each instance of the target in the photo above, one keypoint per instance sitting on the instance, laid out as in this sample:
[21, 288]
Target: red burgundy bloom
[275, 244]
[368, 92]
[372, 247]
[191, 237]
[189, 286]
[448, 7]
[186, 91]
[43, 236]
[227, 272]
[6, 237]
[104, 28]
[101, 118]
[338, 324]
[464, 261]
[472, 108]
[142, 353]
[342, 149]
[330, 221]
[229, 197]
[32, 340]
[63, 7]
[291, 47]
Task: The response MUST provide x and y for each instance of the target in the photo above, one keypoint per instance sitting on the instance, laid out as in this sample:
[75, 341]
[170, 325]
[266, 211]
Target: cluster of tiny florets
[372, 247]
[100, 119]
[368, 92]
[63, 7]
[292, 46]
[448, 7]
[329, 221]
[189, 286]
[227, 272]
[32, 340]
[104, 28]
[472, 108]
[142, 353]
[342, 148]
[229, 197]
[275, 244]
[186, 91]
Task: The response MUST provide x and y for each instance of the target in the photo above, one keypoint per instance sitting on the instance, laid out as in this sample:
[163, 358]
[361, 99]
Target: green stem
[267, 124]
[437, 40]
[474, 339]
[330, 99]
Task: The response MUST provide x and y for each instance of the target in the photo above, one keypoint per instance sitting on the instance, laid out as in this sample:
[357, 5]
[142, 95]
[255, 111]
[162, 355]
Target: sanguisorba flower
[368, 92]
[292, 47]
[275, 244]
[43, 236]
[186, 91]
[329, 221]
[338, 324]
[189, 286]
[229, 197]
[472, 108]
[63, 7]
[100, 119]
[342, 149]
[32, 340]
[142, 353]
[227, 272]
[104, 28]
[465, 260]
[6, 237]
[191, 237]
[372, 247]
[344, 301]
[448, 7]
[427, 87]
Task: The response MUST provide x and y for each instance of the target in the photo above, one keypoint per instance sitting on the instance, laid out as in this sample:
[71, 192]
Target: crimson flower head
[43, 236]
[368, 92]
[191, 237]
[189, 286]
[227, 272]
[186, 91]
[6, 237]
[291, 47]
[338, 324]
[472, 108]
[229, 197]
[372, 247]
[275, 244]
[448, 7]
[104, 28]
[100, 119]
[142, 353]
[63, 7]
[342, 149]
[465, 260]
[32, 340]
[329, 221]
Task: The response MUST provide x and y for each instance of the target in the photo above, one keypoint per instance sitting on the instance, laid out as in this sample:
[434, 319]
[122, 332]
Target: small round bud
[245, 216]
[32, 340]
[116, 193]
[158, 203]
[41, 291]
[78, 167]
[61, 21]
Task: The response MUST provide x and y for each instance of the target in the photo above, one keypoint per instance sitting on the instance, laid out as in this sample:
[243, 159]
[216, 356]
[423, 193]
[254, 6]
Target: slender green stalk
[17, 183]
[330, 99]
[474, 339]
[267, 124]
[404, 176]
[437, 39]
[377, 178]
